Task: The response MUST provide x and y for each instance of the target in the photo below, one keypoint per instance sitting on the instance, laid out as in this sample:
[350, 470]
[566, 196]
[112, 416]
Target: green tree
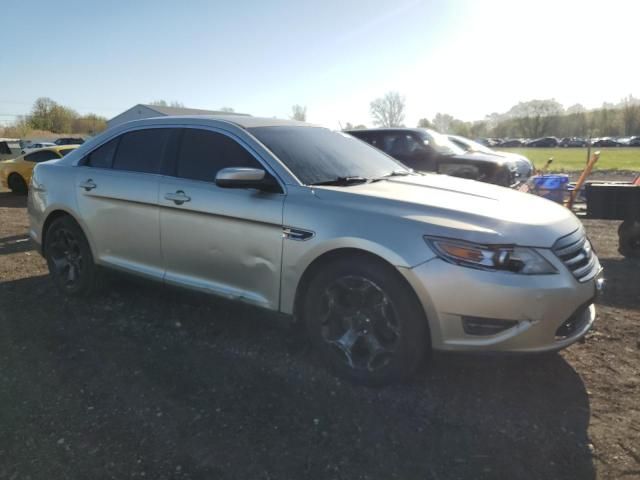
[535, 117]
[424, 123]
[299, 113]
[630, 110]
[21, 128]
[62, 119]
[442, 122]
[41, 114]
[90, 124]
[478, 129]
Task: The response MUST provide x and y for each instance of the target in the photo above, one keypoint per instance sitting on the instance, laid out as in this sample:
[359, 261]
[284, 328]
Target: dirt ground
[149, 382]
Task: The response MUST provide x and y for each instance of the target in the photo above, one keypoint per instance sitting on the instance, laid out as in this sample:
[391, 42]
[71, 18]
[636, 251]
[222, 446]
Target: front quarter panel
[339, 222]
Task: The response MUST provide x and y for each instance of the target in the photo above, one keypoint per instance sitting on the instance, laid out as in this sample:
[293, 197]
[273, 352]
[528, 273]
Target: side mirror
[240, 177]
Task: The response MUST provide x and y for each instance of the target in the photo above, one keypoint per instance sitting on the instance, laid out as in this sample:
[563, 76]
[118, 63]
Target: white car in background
[37, 145]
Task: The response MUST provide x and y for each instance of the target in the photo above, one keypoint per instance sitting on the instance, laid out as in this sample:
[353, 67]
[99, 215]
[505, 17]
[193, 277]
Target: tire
[69, 258]
[629, 238]
[365, 321]
[17, 184]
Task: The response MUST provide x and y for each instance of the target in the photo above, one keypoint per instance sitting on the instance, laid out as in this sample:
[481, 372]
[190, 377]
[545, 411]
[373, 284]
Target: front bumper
[528, 313]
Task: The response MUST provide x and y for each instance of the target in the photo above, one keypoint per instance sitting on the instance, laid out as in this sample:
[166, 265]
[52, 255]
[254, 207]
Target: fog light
[485, 326]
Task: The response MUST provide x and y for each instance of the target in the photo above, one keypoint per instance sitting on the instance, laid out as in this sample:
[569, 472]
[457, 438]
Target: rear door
[220, 240]
[117, 191]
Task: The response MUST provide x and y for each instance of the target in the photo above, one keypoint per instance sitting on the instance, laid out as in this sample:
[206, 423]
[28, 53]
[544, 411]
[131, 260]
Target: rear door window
[142, 150]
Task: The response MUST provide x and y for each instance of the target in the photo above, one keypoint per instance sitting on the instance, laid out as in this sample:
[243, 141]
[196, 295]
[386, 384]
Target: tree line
[48, 115]
[530, 119]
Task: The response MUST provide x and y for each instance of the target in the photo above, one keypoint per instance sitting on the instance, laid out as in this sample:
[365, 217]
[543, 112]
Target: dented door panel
[223, 241]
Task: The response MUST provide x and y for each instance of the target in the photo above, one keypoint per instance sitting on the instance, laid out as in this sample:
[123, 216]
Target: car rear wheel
[629, 239]
[69, 258]
[365, 321]
[17, 184]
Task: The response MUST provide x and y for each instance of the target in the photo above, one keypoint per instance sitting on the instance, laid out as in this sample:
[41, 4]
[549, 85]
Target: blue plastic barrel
[551, 187]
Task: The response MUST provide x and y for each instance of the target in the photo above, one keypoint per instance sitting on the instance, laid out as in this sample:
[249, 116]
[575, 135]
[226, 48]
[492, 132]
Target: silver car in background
[379, 262]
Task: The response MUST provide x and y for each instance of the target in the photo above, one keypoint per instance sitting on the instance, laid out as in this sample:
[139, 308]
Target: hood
[481, 157]
[463, 209]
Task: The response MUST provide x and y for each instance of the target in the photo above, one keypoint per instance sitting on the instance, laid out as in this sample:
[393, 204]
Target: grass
[574, 159]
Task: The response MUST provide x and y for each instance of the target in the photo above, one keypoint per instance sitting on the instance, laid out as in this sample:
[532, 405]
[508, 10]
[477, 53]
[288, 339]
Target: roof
[171, 111]
[386, 129]
[239, 120]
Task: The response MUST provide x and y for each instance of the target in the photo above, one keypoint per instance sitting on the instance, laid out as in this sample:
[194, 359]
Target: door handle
[178, 198]
[88, 185]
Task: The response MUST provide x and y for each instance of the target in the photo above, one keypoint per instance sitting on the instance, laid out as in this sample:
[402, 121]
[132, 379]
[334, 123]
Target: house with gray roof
[147, 111]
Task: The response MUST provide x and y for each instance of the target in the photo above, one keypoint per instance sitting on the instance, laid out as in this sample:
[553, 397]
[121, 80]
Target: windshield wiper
[343, 181]
[395, 173]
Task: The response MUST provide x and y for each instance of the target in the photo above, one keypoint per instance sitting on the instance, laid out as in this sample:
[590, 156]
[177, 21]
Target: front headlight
[509, 258]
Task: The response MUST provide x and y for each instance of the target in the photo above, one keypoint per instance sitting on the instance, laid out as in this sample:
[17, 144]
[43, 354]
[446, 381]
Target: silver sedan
[380, 263]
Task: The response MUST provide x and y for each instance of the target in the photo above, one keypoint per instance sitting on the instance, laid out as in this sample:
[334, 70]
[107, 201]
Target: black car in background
[544, 142]
[634, 142]
[606, 142]
[69, 141]
[521, 164]
[428, 151]
[573, 142]
[512, 143]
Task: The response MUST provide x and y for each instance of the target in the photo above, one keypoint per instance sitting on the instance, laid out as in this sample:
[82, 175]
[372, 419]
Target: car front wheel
[69, 257]
[629, 239]
[365, 321]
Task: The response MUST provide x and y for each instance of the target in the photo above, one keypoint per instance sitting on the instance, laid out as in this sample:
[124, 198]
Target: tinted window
[317, 154]
[63, 152]
[142, 150]
[41, 156]
[401, 144]
[369, 137]
[202, 154]
[102, 157]
[4, 148]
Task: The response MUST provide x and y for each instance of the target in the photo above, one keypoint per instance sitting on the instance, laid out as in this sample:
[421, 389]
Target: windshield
[317, 155]
[470, 145]
[440, 143]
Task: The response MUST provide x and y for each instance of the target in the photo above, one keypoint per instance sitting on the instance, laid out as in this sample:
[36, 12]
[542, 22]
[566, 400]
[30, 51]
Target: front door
[220, 240]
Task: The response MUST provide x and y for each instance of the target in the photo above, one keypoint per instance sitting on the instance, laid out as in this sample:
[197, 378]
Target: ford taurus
[380, 263]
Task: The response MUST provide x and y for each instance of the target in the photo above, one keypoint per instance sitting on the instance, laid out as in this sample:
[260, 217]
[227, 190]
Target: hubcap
[359, 323]
[66, 257]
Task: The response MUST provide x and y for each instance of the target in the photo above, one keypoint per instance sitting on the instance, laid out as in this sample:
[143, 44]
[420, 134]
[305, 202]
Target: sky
[463, 57]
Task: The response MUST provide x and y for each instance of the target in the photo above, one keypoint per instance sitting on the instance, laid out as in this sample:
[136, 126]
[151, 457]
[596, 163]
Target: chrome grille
[576, 253]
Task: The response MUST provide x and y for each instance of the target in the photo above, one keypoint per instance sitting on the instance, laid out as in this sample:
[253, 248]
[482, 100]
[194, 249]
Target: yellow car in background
[15, 174]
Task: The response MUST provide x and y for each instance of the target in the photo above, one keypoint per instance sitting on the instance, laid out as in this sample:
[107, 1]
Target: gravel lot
[144, 381]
